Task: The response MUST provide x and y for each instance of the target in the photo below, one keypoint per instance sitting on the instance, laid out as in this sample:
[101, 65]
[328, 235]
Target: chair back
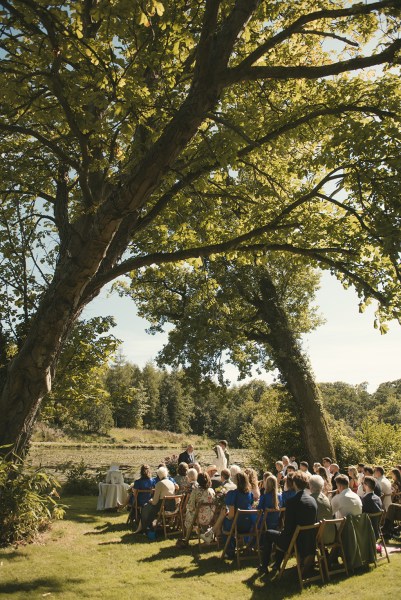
[246, 538]
[266, 523]
[170, 514]
[299, 532]
[172, 504]
[306, 558]
[330, 531]
[246, 521]
[375, 519]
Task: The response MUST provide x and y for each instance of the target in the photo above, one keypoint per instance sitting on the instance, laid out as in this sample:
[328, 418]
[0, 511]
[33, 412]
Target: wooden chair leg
[299, 570]
[383, 544]
[283, 564]
[237, 551]
[226, 544]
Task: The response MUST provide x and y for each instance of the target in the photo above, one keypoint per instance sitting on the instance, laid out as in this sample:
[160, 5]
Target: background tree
[255, 314]
[175, 408]
[151, 377]
[128, 395]
[79, 394]
[132, 131]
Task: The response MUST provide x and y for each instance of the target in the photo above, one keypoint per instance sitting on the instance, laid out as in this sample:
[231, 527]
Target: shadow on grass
[109, 527]
[82, 509]
[129, 538]
[50, 584]
[10, 554]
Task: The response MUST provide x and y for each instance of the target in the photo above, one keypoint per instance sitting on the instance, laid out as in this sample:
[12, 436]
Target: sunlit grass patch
[95, 555]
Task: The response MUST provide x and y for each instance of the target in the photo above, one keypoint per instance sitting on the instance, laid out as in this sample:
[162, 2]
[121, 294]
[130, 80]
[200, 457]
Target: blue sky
[346, 348]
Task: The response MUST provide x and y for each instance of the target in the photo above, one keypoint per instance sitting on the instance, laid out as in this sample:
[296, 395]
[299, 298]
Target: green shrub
[381, 442]
[275, 429]
[27, 504]
[44, 433]
[348, 450]
[79, 481]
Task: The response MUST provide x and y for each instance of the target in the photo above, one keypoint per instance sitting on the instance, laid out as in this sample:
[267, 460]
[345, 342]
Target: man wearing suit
[371, 503]
[187, 456]
[335, 472]
[301, 509]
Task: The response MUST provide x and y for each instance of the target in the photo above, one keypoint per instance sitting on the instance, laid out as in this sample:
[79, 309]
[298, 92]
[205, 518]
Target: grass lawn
[94, 555]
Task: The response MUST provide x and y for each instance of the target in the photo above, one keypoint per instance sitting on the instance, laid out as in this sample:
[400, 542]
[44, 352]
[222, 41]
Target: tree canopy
[146, 133]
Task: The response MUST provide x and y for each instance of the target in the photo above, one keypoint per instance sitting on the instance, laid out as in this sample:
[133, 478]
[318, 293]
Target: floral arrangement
[171, 463]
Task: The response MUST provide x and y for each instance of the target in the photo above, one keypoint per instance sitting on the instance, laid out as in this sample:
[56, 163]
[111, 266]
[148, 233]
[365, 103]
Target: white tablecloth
[111, 494]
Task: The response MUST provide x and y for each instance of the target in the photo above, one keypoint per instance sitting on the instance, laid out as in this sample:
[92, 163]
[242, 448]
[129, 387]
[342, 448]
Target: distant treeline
[253, 414]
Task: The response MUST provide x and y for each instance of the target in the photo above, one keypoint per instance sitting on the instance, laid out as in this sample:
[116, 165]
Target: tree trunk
[296, 373]
[30, 374]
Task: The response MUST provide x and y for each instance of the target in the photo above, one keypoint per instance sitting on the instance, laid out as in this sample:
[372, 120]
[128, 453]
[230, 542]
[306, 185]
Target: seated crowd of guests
[308, 496]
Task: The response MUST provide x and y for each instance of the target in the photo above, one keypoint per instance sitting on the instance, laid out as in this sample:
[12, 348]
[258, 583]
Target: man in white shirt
[345, 501]
[326, 462]
[385, 485]
[286, 462]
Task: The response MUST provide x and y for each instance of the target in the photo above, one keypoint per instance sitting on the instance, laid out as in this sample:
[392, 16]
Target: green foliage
[27, 504]
[274, 429]
[345, 401]
[348, 450]
[127, 394]
[79, 481]
[388, 402]
[79, 389]
[381, 442]
[175, 408]
[140, 133]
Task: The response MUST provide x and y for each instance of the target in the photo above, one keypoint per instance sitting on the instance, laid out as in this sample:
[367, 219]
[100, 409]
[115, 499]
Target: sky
[346, 348]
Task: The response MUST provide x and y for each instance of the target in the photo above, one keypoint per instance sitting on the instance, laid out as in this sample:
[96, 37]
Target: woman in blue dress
[145, 482]
[289, 491]
[241, 498]
[271, 499]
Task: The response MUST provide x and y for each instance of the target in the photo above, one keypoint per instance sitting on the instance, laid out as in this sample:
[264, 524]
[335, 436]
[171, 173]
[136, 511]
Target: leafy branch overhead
[141, 133]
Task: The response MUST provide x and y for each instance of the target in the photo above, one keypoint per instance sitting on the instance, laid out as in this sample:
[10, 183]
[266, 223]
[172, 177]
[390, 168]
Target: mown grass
[94, 555]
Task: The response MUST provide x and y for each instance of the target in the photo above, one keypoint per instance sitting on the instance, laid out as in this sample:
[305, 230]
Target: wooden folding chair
[335, 546]
[244, 540]
[135, 512]
[376, 519]
[171, 519]
[266, 512]
[292, 549]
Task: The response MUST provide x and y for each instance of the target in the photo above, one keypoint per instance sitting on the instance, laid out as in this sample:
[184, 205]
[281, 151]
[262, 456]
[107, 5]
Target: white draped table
[111, 495]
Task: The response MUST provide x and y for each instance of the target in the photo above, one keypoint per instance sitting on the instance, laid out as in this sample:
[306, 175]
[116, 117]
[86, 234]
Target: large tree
[132, 131]
[253, 313]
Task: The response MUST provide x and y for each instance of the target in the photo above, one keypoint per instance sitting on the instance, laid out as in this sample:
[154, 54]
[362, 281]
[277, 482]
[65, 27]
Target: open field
[93, 555]
[128, 447]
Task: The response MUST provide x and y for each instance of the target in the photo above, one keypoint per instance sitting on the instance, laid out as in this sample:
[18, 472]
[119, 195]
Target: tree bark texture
[296, 373]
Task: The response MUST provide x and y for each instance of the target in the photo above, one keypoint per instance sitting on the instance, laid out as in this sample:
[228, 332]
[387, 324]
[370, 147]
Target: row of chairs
[250, 541]
[247, 544]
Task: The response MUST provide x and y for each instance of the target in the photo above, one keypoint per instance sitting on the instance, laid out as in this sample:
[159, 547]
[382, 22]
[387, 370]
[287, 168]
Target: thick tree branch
[205, 45]
[232, 27]
[340, 38]
[295, 27]
[239, 73]
[190, 177]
